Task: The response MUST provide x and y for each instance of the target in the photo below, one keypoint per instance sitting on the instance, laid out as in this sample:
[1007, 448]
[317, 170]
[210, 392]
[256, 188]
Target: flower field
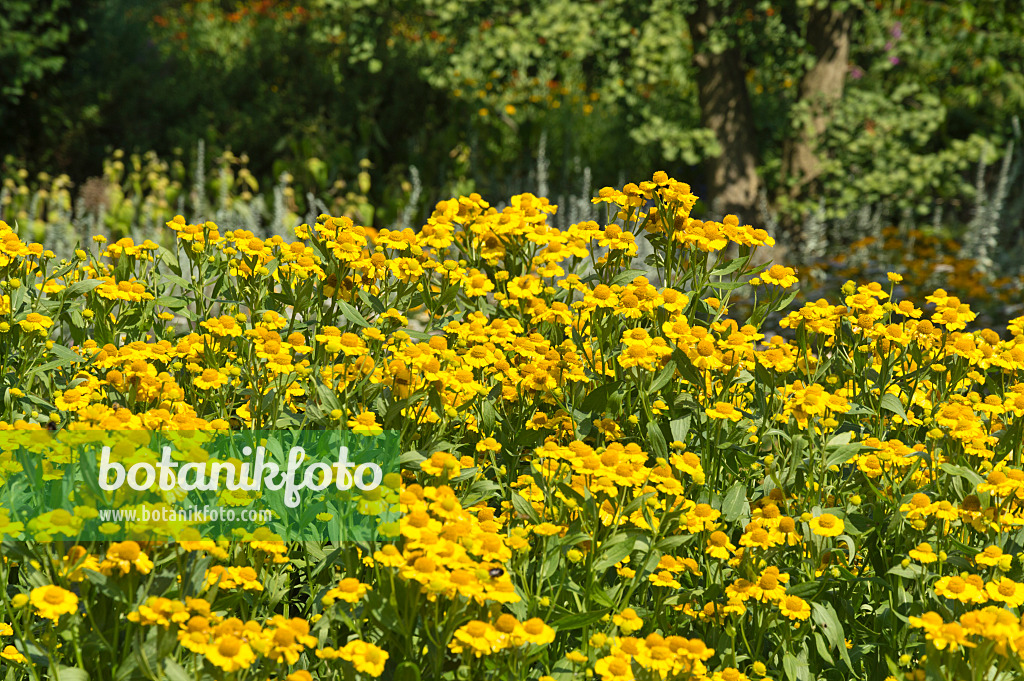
[607, 473]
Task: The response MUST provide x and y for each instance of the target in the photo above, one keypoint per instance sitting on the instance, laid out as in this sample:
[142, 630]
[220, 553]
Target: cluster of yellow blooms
[591, 451]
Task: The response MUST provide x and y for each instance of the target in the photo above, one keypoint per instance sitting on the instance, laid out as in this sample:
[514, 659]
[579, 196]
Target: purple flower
[888, 46]
[856, 73]
[894, 60]
[897, 30]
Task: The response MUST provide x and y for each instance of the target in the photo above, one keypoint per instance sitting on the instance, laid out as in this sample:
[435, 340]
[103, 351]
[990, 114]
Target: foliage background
[443, 97]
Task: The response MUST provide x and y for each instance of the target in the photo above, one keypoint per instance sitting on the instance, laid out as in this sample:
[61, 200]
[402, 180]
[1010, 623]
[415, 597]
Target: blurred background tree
[822, 119]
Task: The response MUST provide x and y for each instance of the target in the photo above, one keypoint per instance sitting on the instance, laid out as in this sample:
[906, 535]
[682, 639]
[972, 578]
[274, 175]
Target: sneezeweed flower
[52, 601]
[365, 423]
[923, 553]
[770, 585]
[1006, 591]
[719, 546]
[488, 444]
[724, 410]
[227, 577]
[664, 578]
[548, 529]
[993, 556]
[284, 639]
[123, 556]
[36, 323]
[230, 653]
[210, 379]
[628, 621]
[161, 611]
[76, 561]
[702, 517]
[349, 590]
[8, 528]
[957, 588]
[56, 522]
[759, 537]
[613, 668]
[535, 631]
[827, 525]
[779, 275]
[440, 464]
[365, 657]
[794, 607]
[479, 638]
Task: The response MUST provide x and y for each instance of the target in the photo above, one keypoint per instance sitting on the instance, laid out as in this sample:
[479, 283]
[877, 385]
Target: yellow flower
[477, 637]
[52, 601]
[614, 668]
[1006, 591]
[365, 423]
[719, 546]
[36, 322]
[724, 410]
[210, 378]
[923, 553]
[628, 621]
[285, 639]
[349, 590]
[827, 525]
[957, 588]
[664, 578]
[230, 653]
[779, 276]
[535, 631]
[548, 529]
[795, 608]
[993, 556]
[122, 556]
[365, 657]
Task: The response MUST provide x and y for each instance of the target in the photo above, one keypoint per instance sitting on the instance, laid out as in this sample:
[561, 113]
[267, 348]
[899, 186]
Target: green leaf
[892, 403]
[171, 302]
[680, 428]
[487, 417]
[628, 276]
[842, 453]
[962, 472]
[663, 378]
[578, 620]
[822, 647]
[912, 571]
[407, 671]
[524, 508]
[826, 618]
[804, 589]
[789, 665]
[69, 356]
[68, 674]
[613, 550]
[352, 314]
[597, 398]
[174, 671]
[735, 503]
[373, 301]
[657, 439]
[80, 288]
[727, 269]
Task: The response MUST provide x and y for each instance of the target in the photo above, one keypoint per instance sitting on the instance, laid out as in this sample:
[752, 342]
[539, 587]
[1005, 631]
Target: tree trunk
[725, 109]
[828, 33]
